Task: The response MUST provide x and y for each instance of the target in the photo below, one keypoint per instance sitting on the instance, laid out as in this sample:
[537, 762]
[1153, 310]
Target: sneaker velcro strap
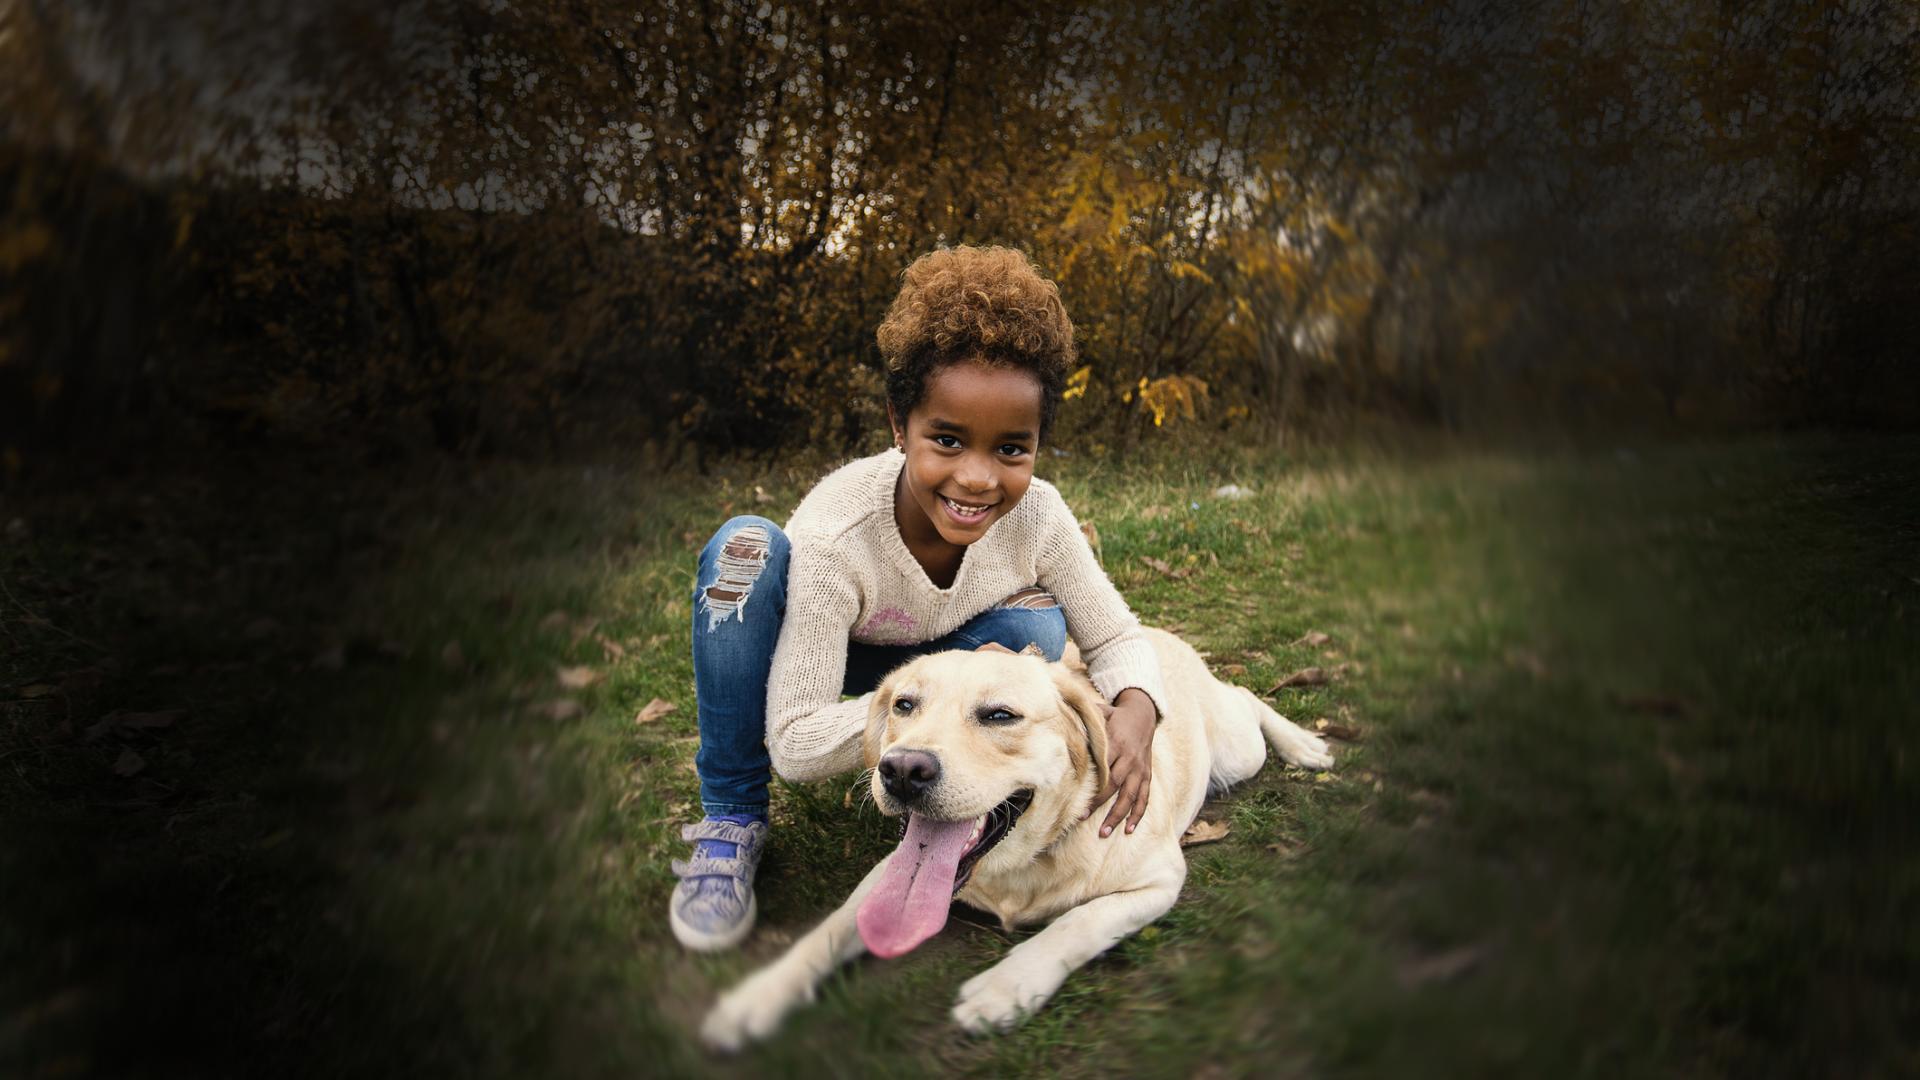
[725, 831]
[706, 866]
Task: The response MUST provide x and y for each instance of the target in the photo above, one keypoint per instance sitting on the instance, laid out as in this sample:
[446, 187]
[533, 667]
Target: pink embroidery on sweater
[888, 626]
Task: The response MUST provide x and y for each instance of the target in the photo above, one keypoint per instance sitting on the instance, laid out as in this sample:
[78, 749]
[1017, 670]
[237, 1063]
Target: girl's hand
[1130, 759]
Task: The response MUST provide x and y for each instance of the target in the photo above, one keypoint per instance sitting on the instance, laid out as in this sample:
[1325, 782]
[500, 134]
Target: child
[945, 541]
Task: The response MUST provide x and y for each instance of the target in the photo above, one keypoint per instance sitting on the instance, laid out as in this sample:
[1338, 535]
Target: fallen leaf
[1528, 659]
[1233, 669]
[36, 690]
[452, 657]
[143, 721]
[1152, 512]
[555, 621]
[654, 710]
[561, 709]
[1343, 732]
[1204, 832]
[613, 649]
[577, 678]
[1161, 565]
[1092, 533]
[581, 629]
[760, 495]
[1312, 676]
[1441, 967]
[1231, 491]
[1313, 638]
[129, 763]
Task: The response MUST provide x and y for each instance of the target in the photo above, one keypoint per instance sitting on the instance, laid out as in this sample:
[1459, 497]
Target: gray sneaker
[713, 906]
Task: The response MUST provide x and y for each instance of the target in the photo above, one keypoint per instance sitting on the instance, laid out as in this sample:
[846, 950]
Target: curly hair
[984, 304]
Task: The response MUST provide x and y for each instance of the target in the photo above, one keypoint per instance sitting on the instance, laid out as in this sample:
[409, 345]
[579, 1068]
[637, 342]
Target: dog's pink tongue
[910, 902]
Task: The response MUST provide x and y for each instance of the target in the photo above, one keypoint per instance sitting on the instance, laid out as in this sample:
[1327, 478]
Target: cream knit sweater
[851, 577]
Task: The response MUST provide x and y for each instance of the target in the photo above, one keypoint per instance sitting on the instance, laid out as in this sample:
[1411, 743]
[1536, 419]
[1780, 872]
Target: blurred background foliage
[508, 227]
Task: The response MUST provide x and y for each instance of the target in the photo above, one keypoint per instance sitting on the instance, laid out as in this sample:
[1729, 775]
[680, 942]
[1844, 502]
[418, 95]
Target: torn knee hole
[742, 558]
[1032, 599]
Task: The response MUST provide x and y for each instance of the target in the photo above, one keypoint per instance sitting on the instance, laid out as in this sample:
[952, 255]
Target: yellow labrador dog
[996, 760]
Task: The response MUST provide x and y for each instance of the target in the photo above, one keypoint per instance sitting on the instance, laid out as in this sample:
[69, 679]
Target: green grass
[1633, 792]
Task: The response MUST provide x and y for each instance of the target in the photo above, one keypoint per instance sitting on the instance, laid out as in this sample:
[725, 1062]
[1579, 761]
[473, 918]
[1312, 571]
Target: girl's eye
[903, 705]
[1013, 450]
[998, 716]
[947, 441]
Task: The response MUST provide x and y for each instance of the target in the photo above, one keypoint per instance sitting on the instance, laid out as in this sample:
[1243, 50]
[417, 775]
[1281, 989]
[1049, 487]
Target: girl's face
[970, 445]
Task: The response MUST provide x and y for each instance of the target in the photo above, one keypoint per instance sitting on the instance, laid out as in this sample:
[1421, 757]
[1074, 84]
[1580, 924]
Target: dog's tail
[1294, 744]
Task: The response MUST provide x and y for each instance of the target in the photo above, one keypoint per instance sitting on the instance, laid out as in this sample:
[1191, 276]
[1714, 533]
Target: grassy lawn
[291, 783]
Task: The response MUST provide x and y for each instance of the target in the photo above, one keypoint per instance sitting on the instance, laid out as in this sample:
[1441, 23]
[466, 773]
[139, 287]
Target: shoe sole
[701, 941]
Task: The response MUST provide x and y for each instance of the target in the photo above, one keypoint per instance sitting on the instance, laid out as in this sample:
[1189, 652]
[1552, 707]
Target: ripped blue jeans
[739, 601]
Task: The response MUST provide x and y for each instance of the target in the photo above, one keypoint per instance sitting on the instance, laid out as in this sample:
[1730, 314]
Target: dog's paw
[996, 1000]
[1305, 749]
[743, 1016]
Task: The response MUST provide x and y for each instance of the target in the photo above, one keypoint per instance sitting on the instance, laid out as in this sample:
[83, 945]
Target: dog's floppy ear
[1082, 702]
[874, 738]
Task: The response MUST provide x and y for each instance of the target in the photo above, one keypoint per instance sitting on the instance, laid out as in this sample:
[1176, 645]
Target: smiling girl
[945, 541]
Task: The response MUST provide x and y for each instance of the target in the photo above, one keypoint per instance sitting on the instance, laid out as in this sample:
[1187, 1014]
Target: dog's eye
[997, 716]
[903, 705]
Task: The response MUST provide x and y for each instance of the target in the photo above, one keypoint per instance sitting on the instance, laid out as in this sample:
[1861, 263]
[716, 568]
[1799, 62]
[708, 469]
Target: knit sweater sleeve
[811, 733]
[1118, 656]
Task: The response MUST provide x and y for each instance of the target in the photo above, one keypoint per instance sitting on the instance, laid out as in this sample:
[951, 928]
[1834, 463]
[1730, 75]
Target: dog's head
[992, 755]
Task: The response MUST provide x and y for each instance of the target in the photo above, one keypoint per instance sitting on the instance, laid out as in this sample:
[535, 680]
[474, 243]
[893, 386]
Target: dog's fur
[1053, 864]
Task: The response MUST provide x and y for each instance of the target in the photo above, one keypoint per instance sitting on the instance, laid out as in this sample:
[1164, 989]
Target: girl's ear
[899, 433]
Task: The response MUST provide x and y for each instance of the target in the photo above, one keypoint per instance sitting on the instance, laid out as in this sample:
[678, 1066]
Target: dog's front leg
[1020, 983]
[750, 1011]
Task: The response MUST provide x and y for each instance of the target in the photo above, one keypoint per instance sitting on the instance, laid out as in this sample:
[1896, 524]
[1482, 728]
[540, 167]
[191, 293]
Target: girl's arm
[1102, 625]
[811, 733]
[1119, 660]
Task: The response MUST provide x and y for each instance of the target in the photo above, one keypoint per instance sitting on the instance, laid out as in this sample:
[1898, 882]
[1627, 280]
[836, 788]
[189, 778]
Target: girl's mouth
[965, 513]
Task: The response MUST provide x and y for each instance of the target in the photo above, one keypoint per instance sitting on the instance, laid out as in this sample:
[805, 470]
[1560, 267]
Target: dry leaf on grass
[1088, 530]
[555, 621]
[121, 722]
[613, 649]
[37, 690]
[1161, 565]
[577, 678]
[1313, 638]
[129, 763]
[1333, 730]
[1312, 676]
[1233, 669]
[561, 709]
[1204, 832]
[654, 710]
[1441, 967]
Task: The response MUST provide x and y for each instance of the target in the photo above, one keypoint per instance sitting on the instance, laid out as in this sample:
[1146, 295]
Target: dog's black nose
[906, 774]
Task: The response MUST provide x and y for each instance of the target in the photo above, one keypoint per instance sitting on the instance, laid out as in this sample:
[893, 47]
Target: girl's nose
[974, 477]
